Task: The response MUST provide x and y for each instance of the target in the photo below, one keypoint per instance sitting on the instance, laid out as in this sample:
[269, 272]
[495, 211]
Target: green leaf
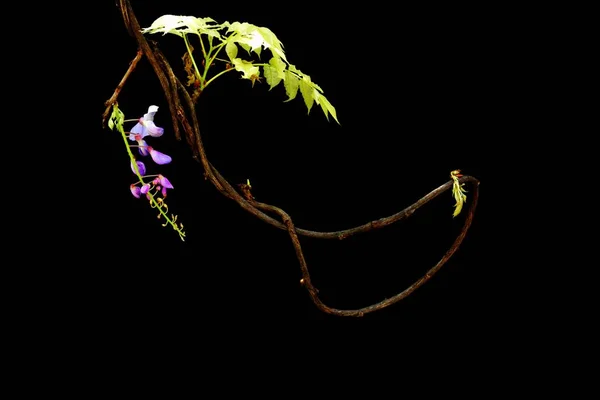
[120, 117]
[316, 86]
[238, 27]
[245, 47]
[116, 117]
[231, 49]
[291, 84]
[270, 41]
[181, 24]
[458, 192]
[274, 72]
[256, 38]
[246, 34]
[168, 24]
[307, 91]
[271, 76]
[279, 66]
[326, 106]
[245, 67]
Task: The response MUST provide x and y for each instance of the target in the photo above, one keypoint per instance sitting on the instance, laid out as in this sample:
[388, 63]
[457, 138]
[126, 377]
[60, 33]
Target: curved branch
[313, 292]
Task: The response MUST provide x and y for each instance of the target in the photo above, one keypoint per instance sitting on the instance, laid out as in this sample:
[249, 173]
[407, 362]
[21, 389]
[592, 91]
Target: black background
[419, 91]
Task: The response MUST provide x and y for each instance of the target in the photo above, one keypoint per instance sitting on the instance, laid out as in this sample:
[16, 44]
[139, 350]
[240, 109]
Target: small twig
[113, 99]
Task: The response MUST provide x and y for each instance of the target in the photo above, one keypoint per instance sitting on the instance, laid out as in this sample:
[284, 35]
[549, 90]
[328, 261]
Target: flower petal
[159, 157]
[135, 191]
[143, 149]
[153, 130]
[148, 121]
[141, 167]
[165, 182]
[149, 116]
[145, 189]
[138, 129]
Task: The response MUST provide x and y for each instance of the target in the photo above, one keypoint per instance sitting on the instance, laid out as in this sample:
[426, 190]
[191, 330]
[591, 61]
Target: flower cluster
[152, 187]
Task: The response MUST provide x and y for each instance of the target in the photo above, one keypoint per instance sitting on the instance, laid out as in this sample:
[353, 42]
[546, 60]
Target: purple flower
[145, 189]
[146, 125]
[159, 157]
[141, 167]
[143, 146]
[162, 184]
[135, 191]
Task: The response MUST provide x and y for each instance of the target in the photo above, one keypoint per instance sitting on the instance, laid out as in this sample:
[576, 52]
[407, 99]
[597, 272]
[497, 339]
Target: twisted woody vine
[214, 49]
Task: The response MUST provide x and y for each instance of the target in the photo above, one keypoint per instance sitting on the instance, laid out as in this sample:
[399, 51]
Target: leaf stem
[217, 75]
[208, 60]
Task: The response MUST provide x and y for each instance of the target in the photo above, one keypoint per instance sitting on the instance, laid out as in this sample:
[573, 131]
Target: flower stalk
[155, 190]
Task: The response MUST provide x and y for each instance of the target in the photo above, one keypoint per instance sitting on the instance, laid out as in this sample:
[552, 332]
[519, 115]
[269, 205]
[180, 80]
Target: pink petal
[135, 191]
[165, 182]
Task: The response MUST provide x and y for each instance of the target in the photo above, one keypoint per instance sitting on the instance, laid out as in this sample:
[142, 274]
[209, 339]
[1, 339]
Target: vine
[235, 38]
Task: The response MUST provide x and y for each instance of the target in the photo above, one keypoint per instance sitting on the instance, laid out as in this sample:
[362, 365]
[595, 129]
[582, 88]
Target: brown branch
[171, 85]
[174, 96]
[134, 29]
[251, 207]
[113, 99]
[313, 292]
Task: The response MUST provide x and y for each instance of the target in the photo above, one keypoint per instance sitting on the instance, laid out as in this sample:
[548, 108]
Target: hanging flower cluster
[152, 187]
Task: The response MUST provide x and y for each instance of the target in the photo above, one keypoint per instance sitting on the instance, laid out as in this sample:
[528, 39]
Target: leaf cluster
[253, 40]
